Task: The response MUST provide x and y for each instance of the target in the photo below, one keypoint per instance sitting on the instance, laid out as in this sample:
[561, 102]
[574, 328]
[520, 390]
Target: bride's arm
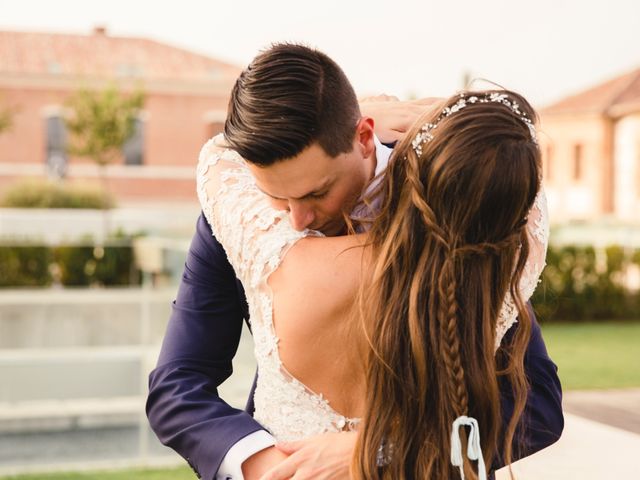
[392, 117]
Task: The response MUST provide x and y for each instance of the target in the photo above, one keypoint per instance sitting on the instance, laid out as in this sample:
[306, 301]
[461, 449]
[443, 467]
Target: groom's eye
[319, 195]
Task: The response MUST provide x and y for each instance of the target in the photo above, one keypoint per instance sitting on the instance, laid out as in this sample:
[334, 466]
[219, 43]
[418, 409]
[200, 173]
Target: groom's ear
[364, 136]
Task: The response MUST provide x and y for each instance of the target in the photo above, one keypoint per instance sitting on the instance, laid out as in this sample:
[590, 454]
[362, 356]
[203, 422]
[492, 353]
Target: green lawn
[595, 355]
[182, 473]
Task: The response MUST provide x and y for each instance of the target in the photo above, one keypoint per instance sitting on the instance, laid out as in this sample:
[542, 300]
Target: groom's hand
[323, 457]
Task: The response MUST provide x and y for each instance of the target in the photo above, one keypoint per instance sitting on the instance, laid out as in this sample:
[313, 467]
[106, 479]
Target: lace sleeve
[255, 236]
[538, 230]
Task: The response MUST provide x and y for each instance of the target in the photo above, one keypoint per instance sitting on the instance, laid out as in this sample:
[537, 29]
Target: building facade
[186, 96]
[591, 153]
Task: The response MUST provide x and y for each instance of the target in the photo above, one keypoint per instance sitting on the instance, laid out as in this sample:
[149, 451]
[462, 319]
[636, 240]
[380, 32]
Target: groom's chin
[333, 229]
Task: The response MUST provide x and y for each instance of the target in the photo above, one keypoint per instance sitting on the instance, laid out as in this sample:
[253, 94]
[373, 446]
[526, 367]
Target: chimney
[100, 30]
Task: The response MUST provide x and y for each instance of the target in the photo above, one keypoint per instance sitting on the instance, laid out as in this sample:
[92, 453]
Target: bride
[396, 332]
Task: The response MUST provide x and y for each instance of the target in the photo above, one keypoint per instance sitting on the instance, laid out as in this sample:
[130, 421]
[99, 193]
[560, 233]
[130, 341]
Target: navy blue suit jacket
[202, 337]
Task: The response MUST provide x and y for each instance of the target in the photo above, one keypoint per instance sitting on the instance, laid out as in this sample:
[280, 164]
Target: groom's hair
[289, 97]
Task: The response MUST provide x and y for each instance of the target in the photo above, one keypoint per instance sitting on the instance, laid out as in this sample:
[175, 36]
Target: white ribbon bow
[474, 451]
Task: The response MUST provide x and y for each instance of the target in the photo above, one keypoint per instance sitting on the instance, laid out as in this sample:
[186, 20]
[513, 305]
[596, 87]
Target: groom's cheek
[279, 204]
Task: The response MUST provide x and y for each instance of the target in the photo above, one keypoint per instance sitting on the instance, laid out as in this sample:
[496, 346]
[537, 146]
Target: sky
[545, 49]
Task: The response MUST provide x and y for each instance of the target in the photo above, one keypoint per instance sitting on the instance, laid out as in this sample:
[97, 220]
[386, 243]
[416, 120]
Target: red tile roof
[615, 97]
[100, 55]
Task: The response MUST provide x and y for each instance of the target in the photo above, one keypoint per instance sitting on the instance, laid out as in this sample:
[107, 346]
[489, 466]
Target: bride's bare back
[313, 297]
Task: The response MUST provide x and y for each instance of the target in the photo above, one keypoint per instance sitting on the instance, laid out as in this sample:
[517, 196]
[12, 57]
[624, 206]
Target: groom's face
[317, 189]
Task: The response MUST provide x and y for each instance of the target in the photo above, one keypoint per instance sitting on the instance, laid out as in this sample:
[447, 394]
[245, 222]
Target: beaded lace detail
[538, 230]
[256, 238]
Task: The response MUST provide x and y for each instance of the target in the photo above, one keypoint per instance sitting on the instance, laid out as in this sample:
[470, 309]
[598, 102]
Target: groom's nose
[301, 215]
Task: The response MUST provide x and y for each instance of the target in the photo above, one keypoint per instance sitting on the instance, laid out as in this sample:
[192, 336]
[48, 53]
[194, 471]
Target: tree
[100, 123]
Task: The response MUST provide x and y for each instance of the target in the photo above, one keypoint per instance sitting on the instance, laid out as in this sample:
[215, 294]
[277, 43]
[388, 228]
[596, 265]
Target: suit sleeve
[202, 337]
[542, 421]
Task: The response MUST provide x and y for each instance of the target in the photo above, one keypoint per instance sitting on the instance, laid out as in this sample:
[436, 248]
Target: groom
[295, 118]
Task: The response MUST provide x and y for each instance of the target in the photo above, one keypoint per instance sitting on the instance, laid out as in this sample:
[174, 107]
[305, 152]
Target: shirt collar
[382, 161]
[382, 155]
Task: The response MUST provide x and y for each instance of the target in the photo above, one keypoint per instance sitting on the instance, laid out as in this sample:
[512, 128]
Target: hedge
[49, 194]
[578, 284]
[25, 266]
[69, 265]
[584, 284]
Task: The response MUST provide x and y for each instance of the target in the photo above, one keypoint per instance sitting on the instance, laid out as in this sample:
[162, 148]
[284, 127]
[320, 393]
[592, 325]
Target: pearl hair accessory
[426, 132]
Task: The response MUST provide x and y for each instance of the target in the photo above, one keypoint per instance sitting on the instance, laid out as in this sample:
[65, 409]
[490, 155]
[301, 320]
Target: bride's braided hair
[448, 244]
[446, 289]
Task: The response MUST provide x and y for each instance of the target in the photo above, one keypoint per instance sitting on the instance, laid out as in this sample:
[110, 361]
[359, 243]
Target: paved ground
[588, 450]
[617, 408]
[601, 440]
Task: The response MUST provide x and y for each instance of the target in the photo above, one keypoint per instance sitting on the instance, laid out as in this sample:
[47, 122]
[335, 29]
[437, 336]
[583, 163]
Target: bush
[116, 267]
[47, 194]
[96, 265]
[581, 284]
[72, 265]
[25, 266]
[75, 265]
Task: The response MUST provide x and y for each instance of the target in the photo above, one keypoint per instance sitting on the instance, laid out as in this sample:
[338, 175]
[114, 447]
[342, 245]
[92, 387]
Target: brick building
[591, 152]
[186, 99]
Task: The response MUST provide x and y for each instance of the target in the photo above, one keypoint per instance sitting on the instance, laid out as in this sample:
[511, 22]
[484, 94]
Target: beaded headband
[426, 132]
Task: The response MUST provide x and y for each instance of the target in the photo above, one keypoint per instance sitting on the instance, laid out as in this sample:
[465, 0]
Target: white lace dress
[256, 237]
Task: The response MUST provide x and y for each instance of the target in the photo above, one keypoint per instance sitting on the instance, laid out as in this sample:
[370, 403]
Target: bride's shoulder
[344, 248]
[215, 150]
[219, 165]
[322, 265]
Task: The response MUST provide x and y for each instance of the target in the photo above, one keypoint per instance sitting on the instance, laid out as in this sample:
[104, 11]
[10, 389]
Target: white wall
[627, 168]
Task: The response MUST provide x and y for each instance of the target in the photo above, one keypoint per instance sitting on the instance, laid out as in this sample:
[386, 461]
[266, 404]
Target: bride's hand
[323, 457]
[392, 117]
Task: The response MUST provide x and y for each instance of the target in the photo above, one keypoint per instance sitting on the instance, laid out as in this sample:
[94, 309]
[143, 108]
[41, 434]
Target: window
[133, 149]
[577, 162]
[56, 155]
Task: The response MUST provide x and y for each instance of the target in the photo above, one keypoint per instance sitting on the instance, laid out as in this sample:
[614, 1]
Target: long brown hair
[448, 243]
